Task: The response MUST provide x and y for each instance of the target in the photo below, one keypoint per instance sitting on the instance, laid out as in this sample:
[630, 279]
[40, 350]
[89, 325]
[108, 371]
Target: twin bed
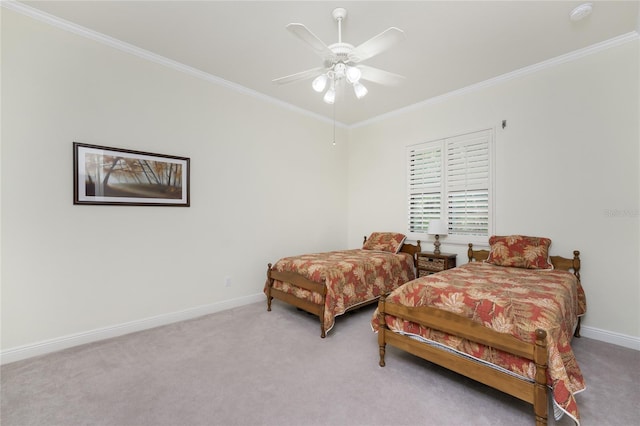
[505, 319]
[332, 283]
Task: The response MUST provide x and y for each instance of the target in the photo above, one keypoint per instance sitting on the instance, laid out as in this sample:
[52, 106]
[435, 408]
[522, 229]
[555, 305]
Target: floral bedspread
[509, 300]
[352, 277]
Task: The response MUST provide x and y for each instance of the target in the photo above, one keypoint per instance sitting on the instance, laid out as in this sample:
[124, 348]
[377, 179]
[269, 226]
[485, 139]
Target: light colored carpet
[247, 366]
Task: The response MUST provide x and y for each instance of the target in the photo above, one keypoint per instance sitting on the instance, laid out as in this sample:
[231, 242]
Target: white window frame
[439, 182]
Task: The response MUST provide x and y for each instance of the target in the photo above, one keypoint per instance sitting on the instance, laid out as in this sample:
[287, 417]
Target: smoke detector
[581, 12]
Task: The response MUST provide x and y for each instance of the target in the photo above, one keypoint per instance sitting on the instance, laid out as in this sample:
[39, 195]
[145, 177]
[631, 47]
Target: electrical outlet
[227, 281]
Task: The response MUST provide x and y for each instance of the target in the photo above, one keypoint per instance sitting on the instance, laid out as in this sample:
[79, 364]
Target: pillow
[384, 241]
[520, 251]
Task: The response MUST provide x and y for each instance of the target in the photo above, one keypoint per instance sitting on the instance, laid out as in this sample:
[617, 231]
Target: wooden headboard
[477, 255]
[411, 249]
[558, 262]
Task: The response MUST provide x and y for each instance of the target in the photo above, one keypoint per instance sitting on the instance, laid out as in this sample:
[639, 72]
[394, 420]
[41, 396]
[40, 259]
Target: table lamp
[437, 227]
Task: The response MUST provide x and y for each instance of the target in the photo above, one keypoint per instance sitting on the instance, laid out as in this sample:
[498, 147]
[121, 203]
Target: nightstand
[430, 263]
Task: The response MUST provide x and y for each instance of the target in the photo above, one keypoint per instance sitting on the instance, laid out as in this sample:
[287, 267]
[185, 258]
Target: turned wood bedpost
[576, 264]
[269, 285]
[576, 272]
[382, 328]
[323, 332]
[323, 294]
[540, 357]
[470, 252]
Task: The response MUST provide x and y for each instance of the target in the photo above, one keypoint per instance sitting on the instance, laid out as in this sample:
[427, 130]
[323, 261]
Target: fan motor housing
[341, 50]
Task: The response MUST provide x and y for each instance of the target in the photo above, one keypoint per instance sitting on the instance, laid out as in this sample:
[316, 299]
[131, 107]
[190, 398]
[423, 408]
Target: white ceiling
[449, 44]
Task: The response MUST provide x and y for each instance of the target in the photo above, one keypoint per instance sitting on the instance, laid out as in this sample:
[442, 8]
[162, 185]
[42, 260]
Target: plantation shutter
[450, 179]
[425, 185]
[467, 184]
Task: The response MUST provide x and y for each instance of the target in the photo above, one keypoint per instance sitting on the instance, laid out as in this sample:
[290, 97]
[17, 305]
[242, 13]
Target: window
[451, 179]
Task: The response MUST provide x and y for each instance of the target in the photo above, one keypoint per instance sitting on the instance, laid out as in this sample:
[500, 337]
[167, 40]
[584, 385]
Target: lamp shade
[319, 83]
[359, 90]
[330, 96]
[437, 227]
[353, 74]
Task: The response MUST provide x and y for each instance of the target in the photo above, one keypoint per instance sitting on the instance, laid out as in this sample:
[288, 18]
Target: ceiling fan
[342, 61]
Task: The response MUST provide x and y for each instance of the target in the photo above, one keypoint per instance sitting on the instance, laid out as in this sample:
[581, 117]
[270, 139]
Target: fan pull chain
[334, 124]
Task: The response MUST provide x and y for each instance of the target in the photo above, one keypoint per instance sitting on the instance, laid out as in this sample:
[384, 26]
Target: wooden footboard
[302, 282]
[532, 392]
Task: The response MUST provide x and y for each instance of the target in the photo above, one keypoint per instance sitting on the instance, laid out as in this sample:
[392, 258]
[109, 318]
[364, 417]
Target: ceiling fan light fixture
[340, 70]
[360, 90]
[342, 61]
[353, 74]
[319, 83]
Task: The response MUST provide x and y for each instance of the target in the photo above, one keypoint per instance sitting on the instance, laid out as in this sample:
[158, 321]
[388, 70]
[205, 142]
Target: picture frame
[115, 176]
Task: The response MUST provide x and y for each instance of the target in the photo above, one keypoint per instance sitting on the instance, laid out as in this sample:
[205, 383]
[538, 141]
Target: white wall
[266, 182]
[566, 168]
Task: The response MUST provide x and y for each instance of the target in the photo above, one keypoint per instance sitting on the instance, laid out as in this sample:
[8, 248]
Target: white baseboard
[611, 337]
[53, 345]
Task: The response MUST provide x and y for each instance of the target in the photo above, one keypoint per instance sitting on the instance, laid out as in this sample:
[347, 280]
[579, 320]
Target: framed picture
[103, 175]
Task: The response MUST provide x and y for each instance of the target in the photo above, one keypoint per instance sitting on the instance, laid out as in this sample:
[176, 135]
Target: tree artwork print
[113, 176]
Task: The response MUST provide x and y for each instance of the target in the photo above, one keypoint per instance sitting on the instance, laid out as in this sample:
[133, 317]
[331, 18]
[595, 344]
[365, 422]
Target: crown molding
[150, 56]
[568, 57]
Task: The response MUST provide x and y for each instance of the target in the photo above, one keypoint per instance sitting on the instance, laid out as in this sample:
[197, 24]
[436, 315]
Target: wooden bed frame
[320, 288]
[535, 393]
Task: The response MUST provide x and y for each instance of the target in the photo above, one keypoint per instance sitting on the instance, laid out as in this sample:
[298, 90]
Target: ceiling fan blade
[300, 76]
[377, 44]
[379, 76]
[311, 39]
